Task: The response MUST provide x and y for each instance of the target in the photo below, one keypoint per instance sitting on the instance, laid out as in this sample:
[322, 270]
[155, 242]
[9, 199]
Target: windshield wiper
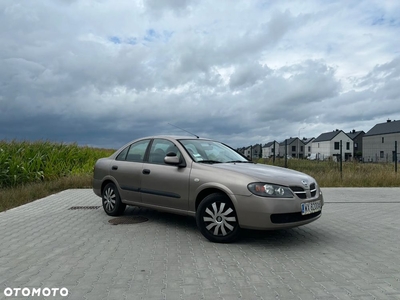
[208, 161]
[240, 161]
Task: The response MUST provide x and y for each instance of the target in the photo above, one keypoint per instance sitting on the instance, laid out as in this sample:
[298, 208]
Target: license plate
[310, 207]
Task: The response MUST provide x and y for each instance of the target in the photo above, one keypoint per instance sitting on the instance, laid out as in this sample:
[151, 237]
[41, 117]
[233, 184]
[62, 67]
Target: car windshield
[203, 151]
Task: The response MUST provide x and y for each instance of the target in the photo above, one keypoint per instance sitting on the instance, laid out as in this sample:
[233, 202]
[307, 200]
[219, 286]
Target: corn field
[24, 162]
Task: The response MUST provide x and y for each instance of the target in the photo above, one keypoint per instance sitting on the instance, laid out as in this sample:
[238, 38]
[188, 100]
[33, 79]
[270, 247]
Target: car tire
[217, 220]
[112, 204]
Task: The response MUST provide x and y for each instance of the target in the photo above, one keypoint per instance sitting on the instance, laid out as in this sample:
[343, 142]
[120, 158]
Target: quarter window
[122, 154]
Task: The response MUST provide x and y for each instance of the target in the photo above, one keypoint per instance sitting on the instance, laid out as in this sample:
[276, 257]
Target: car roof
[176, 137]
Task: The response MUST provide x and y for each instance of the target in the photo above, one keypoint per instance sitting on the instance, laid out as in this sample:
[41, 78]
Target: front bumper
[264, 213]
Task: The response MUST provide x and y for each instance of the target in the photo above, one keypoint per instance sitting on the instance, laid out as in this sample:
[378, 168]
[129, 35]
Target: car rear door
[164, 185]
[127, 170]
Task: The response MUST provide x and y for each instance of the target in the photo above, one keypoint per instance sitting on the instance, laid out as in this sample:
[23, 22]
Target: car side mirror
[173, 159]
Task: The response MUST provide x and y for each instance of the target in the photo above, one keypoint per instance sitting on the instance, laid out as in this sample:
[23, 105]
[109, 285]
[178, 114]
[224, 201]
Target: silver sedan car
[208, 180]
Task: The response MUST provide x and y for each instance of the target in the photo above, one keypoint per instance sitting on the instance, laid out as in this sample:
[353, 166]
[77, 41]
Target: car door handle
[146, 171]
[114, 167]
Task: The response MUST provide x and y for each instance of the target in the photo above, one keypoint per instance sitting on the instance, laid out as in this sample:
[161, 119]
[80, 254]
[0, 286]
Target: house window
[318, 145]
[383, 140]
[382, 154]
[293, 148]
[309, 148]
[336, 145]
[355, 145]
[301, 148]
[348, 146]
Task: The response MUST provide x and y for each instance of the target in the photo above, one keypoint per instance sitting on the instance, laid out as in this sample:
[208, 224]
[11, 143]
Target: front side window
[159, 149]
[204, 151]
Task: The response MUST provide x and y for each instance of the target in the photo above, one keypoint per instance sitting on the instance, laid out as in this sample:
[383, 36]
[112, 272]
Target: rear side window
[135, 152]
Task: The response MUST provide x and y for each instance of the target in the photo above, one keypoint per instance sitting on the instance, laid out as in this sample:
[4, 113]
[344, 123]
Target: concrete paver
[351, 252]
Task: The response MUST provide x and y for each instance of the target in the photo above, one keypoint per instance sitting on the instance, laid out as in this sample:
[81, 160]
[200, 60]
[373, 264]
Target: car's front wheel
[217, 220]
[112, 201]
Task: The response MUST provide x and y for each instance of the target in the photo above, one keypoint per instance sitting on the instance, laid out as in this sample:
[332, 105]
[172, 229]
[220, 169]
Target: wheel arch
[104, 183]
[211, 190]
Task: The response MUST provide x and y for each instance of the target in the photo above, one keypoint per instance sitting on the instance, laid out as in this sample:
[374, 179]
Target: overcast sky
[102, 73]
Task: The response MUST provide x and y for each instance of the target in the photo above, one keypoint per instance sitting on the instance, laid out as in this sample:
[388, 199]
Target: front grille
[313, 190]
[292, 217]
[299, 191]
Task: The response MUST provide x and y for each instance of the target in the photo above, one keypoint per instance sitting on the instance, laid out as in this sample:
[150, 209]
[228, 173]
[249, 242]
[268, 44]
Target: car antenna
[184, 130]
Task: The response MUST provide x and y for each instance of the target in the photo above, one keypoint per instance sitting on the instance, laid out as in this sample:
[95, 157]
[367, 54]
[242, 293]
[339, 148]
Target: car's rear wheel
[217, 220]
[112, 201]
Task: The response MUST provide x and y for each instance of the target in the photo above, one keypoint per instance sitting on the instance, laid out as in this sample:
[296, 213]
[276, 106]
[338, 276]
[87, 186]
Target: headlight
[269, 190]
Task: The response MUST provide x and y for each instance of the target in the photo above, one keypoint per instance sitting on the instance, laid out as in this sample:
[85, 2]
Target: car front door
[164, 185]
[127, 170]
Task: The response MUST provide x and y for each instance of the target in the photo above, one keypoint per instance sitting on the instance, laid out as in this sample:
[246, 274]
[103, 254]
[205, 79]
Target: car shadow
[306, 235]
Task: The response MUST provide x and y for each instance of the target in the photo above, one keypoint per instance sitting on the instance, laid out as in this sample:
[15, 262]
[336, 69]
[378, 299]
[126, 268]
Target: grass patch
[19, 195]
[354, 174]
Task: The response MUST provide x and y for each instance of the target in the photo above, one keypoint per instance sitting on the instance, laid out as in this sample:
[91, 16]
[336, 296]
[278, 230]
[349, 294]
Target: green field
[32, 170]
[23, 162]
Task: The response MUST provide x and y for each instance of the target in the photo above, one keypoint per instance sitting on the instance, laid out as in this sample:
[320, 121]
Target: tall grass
[23, 162]
[354, 174]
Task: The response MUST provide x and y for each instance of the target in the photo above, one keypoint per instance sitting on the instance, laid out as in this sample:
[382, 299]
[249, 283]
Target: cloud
[103, 73]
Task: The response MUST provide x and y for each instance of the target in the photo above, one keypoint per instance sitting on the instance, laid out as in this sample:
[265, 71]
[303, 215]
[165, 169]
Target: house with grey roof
[256, 151]
[270, 149]
[379, 142]
[307, 145]
[295, 148]
[357, 137]
[327, 145]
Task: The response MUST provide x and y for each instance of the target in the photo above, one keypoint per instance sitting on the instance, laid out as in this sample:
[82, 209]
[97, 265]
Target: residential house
[307, 145]
[270, 149]
[379, 142]
[257, 151]
[357, 137]
[327, 145]
[295, 148]
[248, 152]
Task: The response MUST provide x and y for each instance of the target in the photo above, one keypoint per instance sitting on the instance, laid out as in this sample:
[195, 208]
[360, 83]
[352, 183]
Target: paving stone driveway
[351, 252]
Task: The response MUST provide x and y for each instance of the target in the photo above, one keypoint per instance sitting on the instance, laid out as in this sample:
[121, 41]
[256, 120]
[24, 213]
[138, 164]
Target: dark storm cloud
[103, 73]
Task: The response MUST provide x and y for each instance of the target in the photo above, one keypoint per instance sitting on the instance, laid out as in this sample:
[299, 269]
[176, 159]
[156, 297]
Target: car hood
[266, 173]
